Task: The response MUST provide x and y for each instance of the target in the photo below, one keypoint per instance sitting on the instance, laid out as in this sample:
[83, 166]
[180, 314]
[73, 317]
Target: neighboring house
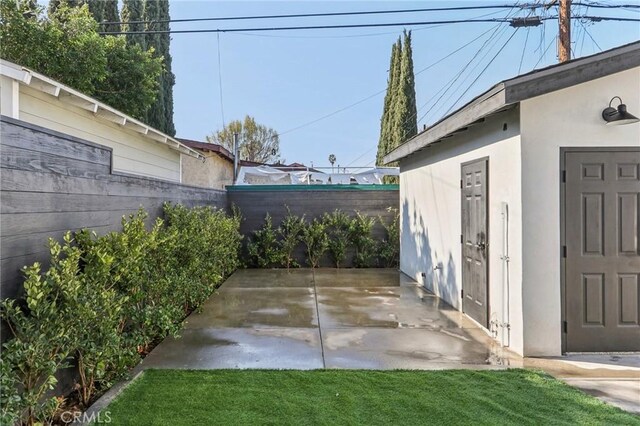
[138, 149]
[522, 208]
[216, 171]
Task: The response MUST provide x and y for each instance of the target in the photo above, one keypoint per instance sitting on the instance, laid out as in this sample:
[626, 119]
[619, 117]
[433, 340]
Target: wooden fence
[52, 182]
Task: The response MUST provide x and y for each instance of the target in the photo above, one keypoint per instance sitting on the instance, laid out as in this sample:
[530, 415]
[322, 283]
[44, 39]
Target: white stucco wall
[566, 118]
[431, 216]
[215, 172]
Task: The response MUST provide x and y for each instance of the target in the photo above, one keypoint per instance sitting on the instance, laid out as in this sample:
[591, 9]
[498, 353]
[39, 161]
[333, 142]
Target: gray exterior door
[475, 241]
[602, 268]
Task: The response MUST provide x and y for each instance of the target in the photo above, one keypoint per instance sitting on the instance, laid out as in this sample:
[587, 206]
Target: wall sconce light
[618, 116]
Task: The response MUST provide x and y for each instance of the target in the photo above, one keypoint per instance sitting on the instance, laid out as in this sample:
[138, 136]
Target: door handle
[481, 246]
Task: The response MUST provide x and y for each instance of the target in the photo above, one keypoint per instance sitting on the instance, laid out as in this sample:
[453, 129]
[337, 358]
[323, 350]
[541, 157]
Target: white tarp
[265, 175]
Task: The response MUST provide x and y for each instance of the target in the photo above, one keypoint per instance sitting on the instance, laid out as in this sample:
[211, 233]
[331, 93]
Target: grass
[331, 397]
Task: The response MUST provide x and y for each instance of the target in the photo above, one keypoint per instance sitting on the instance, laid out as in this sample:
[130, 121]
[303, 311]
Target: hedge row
[335, 234]
[105, 301]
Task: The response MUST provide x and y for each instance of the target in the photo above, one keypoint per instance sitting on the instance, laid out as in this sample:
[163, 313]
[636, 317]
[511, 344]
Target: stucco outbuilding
[522, 208]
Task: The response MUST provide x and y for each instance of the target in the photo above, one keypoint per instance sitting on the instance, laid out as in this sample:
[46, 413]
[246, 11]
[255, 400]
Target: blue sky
[287, 79]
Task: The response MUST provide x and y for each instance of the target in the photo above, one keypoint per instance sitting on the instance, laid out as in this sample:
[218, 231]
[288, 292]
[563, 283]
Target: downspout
[506, 326]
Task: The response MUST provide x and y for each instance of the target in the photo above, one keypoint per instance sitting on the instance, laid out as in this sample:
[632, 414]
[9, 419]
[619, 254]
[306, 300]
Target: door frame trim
[484, 159]
[563, 221]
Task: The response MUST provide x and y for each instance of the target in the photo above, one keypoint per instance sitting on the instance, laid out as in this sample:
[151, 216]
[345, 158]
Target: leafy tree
[131, 84]
[66, 47]
[257, 142]
[132, 13]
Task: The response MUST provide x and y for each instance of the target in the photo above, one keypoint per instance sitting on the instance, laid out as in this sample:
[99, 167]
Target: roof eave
[51, 87]
[486, 104]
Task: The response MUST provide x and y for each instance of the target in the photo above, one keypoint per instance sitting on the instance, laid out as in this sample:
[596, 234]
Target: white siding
[566, 118]
[9, 97]
[431, 216]
[132, 152]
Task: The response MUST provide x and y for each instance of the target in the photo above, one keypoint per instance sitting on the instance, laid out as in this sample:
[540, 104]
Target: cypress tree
[160, 115]
[156, 113]
[387, 111]
[399, 121]
[96, 7]
[169, 79]
[408, 124]
[132, 11]
[111, 15]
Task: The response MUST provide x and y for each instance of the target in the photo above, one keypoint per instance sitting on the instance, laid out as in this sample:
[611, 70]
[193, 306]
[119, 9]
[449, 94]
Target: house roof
[508, 93]
[100, 110]
[209, 147]
[227, 155]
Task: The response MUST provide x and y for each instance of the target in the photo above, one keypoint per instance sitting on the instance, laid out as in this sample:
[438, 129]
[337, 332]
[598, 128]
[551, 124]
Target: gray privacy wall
[52, 182]
[313, 202]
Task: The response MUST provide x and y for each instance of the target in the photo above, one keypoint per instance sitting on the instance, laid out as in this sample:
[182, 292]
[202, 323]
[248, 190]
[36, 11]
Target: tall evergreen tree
[155, 114]
[398, 121]
[387, 111]
[407, 111]
[96, 7]
[160, 115]
[111, 14]
[132, 11]
[169, 77]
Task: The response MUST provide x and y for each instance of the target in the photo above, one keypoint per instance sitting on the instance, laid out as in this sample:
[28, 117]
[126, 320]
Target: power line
[524, 49]
[590, 36]
[543, 54]
[322, 27]
[514, 22]
[383, 90]
[449, 85]
[372, 12]
[317, 15]
[482, 72]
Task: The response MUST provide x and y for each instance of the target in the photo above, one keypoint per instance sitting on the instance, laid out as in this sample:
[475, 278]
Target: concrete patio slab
[387, 307]
[359, 318]
[331, 277]
[213, 348]
[385, 349]
[257, 307]
[270, 278]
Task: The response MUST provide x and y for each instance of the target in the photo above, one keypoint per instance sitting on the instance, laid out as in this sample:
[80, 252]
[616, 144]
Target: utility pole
[236, 152]
[564, 33]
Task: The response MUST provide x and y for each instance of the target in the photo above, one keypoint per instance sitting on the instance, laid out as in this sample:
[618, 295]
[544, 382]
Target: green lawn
[329, 397]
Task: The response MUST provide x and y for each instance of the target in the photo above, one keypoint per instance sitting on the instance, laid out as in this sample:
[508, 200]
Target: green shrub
[389, 247]
[290, 232]
[337, 225]
[314, 237]
[264, 247]
[99, 313]
[206, 245]
[106, 300]
[360, 235]
[43, 335]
